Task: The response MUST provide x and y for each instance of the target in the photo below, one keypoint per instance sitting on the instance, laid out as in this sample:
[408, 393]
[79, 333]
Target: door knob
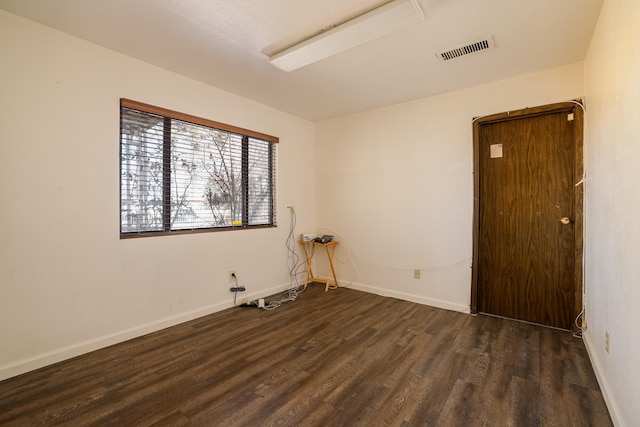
[565, 220]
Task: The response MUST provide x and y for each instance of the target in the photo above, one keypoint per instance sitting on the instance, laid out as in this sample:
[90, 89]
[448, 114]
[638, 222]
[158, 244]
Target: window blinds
[179, 173]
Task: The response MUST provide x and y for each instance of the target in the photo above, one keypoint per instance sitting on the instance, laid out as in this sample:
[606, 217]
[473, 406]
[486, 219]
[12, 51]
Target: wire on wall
[580, 328]
[352, 260]
[297, 267]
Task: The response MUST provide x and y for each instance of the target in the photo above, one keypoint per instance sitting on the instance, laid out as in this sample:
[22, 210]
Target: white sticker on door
[496, 151]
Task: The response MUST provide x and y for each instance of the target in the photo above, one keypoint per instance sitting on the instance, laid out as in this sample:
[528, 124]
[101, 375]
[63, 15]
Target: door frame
[576, 107]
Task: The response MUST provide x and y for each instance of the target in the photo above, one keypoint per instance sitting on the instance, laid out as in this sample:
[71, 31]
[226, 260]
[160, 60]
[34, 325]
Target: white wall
[68, 284]
[395, 184]
[612, 155]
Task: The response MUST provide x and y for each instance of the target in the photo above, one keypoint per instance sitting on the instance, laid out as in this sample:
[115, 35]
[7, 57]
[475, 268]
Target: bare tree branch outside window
[208, 169]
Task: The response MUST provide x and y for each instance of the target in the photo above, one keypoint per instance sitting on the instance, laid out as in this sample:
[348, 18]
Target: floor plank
[329, 358]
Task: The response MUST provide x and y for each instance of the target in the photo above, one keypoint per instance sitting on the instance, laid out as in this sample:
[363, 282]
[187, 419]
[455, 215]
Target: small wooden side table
[309, 249]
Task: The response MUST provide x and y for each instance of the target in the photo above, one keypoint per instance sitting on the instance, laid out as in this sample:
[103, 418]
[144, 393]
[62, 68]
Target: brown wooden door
[525, 252]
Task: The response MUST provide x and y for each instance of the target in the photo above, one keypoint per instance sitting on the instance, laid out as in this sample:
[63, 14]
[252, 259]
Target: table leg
[307, 258]
[330, 252]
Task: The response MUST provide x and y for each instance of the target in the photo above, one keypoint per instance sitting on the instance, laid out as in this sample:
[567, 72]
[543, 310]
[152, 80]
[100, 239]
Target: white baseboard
[602, 381]
[447, 305]
[60, 354]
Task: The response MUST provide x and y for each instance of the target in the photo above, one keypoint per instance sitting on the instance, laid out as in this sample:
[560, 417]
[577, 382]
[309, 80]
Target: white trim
[602, 381]
[447, 305]
[60, 354]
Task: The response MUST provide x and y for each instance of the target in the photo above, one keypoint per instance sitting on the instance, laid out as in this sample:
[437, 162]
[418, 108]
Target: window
[180, 173]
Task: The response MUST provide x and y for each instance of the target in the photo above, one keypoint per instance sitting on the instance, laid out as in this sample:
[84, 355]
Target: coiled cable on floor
[290, 295]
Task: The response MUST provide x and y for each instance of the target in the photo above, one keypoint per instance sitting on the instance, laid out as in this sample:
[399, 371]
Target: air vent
[457, 52]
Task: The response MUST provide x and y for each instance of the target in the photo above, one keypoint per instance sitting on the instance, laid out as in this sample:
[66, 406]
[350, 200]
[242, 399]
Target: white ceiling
[225, 43]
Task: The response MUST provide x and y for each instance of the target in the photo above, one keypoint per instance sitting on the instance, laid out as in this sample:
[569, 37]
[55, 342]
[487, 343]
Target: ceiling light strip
[386, 19]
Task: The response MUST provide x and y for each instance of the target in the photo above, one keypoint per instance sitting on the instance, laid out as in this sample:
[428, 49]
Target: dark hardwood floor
[340, 358]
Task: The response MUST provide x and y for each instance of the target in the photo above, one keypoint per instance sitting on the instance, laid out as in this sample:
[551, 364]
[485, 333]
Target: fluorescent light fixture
[386, 19]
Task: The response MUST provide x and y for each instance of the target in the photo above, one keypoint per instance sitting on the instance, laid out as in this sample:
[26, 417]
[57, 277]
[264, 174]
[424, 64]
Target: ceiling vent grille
[457, 52]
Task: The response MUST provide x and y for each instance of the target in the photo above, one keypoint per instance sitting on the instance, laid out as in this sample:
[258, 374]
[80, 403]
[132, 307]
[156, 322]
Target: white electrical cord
[456, 264]
[578, 333]
[297, 266]
[290, 295]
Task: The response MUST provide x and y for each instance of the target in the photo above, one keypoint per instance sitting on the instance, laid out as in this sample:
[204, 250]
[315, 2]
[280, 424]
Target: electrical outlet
[607, 342]
[416, 273]
[232, 276]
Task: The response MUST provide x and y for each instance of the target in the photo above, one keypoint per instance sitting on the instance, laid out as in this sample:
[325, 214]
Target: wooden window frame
[245, 134]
